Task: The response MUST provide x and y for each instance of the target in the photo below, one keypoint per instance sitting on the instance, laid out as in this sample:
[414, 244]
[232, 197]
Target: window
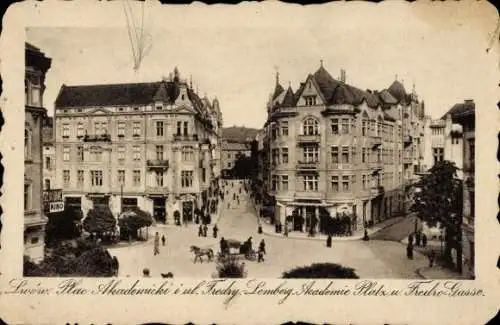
[363, 155]
[187, 178]
[27, 197]
[136, 129]
[204, 174]
[472, 151]
[179, 128]
[159, 128]
[311, 154]
[96, 155]
[120, 109]
[159, 152]
[335, 126]
[96, 177]
[275, 156]
[186, 128]
[438, 154]
[284, 182]
[66, 151]
[345, 126]
[228, 164]
[48, 163]
[275, 183]
[79, 178]
[335, 183]
[345, 155]
[46, 183]
[27, 144]
[121, 154]
[379, 155]
[284, 155]
[121, 129]
[364, 181]
[159, 107]
[65, 131]
[136, 152]
[310, 100]
[379, 127]
[335, 155]
[284, 128]
[310, 127]
[345, 183]
[104, 128]
[97, 128]
[80, 130]
[121, 177]
[310, 182]
[66, 178]
[187, 153]
[353, 154]
[364, 127]
[79, 151]
[137, 177]
[353, 125]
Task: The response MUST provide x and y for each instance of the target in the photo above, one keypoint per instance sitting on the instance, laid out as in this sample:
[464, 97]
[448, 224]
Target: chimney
[469, 101]
[342, 75]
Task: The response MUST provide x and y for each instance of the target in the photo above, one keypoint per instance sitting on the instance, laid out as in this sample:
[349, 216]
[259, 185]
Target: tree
[321, 271]
[132, 219]
[99, 220]
[231, 268]
[243, 166]
[63, 225]
[438, 201]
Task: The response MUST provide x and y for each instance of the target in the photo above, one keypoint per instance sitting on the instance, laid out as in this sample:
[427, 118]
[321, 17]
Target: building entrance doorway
[310, 217]
[187, 211]
[297, 219]
[159, 211]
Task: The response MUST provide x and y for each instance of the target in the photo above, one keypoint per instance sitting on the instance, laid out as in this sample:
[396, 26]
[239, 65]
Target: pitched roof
[111, 94]
[461, 109]
[289, 99]
[397, 90]
[278, 90]
[326, 83]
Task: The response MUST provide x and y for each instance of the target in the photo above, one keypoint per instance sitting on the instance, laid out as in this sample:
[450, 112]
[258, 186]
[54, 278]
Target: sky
[234, 55]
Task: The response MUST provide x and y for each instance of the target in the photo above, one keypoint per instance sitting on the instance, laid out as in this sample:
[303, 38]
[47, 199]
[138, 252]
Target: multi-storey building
[464, 114]
[443, 139]
[49, 154]
[36, 66]
[332, 149]
[152, 145]
[230, 152]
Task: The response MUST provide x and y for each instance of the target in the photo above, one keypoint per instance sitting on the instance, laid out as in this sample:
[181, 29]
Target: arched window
[27, 144]
[310, 126]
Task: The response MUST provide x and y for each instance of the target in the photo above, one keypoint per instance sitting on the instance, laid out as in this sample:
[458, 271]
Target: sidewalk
[438, 273]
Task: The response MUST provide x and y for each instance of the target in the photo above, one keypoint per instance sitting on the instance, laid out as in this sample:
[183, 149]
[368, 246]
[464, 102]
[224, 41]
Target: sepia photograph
[228, 146]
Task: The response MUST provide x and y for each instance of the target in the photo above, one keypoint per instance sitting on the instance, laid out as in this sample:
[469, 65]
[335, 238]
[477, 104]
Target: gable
[183, 109]
[310, 88]
[100, 111]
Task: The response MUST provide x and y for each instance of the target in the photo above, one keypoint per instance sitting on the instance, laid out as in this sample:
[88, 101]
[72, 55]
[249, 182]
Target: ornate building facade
[153, 145]
[36, 67]
[331, 149]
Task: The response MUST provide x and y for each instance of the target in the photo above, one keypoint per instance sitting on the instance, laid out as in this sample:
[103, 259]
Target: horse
[200, 252]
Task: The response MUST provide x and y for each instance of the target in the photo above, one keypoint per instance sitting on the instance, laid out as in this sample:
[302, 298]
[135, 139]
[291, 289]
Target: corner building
[36, 67]
[337, 150]
[152, 145]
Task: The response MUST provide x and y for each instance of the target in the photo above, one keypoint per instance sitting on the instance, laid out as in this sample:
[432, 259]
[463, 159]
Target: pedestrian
[424, 240]
[205, 230]
[239, 190]
[156, 248]
[262, 246]
[329, 241]
[365, 237]
[418, 238]
[432, 256]
[410, 239]
[215, 230]
[234, 196]
[409, 251]
[228, 205]
[222, 243]
[249, 242]
[286, 230]
[260, 255]
[200, 231]
[163, 240]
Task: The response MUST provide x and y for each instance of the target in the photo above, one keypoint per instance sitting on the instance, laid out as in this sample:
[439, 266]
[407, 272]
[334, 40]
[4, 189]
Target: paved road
[373, 259]
[398, 231]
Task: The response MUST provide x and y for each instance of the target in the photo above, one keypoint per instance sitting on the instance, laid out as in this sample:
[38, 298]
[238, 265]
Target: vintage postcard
[249, 164]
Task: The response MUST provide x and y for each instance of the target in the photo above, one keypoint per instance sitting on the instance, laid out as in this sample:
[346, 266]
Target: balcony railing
[314, 138]
[97, 138]
[156, 190]
[157, 163]
[376, 165]
[186, 137]
[377, 141]
[308, 195]
[307, 165]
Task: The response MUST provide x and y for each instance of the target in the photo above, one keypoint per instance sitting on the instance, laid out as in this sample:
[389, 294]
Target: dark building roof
[278, 90]
[289, 99]
[461, 110]
[36, 58]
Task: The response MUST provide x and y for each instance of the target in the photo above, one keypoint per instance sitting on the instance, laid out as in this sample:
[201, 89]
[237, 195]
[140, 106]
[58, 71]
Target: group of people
[156, 245]
[203, 230]
[420, 239]
[245, 248]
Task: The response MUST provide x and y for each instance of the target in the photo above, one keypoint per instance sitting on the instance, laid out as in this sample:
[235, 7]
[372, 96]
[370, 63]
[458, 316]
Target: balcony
[155, 190]
[407, 160]
[185, 137]
[314, 138]
[307, 165]
[377, 141]
[377, 190]
[157, 163]
[308, 195]
[97, 138]
[376, 166]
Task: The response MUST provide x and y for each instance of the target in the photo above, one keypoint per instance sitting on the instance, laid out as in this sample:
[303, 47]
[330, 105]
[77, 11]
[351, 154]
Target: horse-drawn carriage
[237, 250]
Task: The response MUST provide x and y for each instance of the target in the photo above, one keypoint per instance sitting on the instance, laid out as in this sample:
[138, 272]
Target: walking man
[156, 248]
[215, 230]
[200, 231]
[205, 230]
[163, 240]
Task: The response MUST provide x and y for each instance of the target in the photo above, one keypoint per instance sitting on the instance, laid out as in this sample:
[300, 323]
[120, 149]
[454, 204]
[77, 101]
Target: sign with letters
[53, 201]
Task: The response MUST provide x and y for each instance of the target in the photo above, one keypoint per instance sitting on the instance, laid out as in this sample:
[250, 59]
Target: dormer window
[310, 100]
[120, 109]
[136, 108]
[79, 110]
[159, 107]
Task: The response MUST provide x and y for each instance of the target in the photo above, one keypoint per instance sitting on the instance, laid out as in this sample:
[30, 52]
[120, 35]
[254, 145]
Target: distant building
[152, 145]
[230, 152]
[330, 149]
[464, 114]
[36, 66]
[49, 154]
